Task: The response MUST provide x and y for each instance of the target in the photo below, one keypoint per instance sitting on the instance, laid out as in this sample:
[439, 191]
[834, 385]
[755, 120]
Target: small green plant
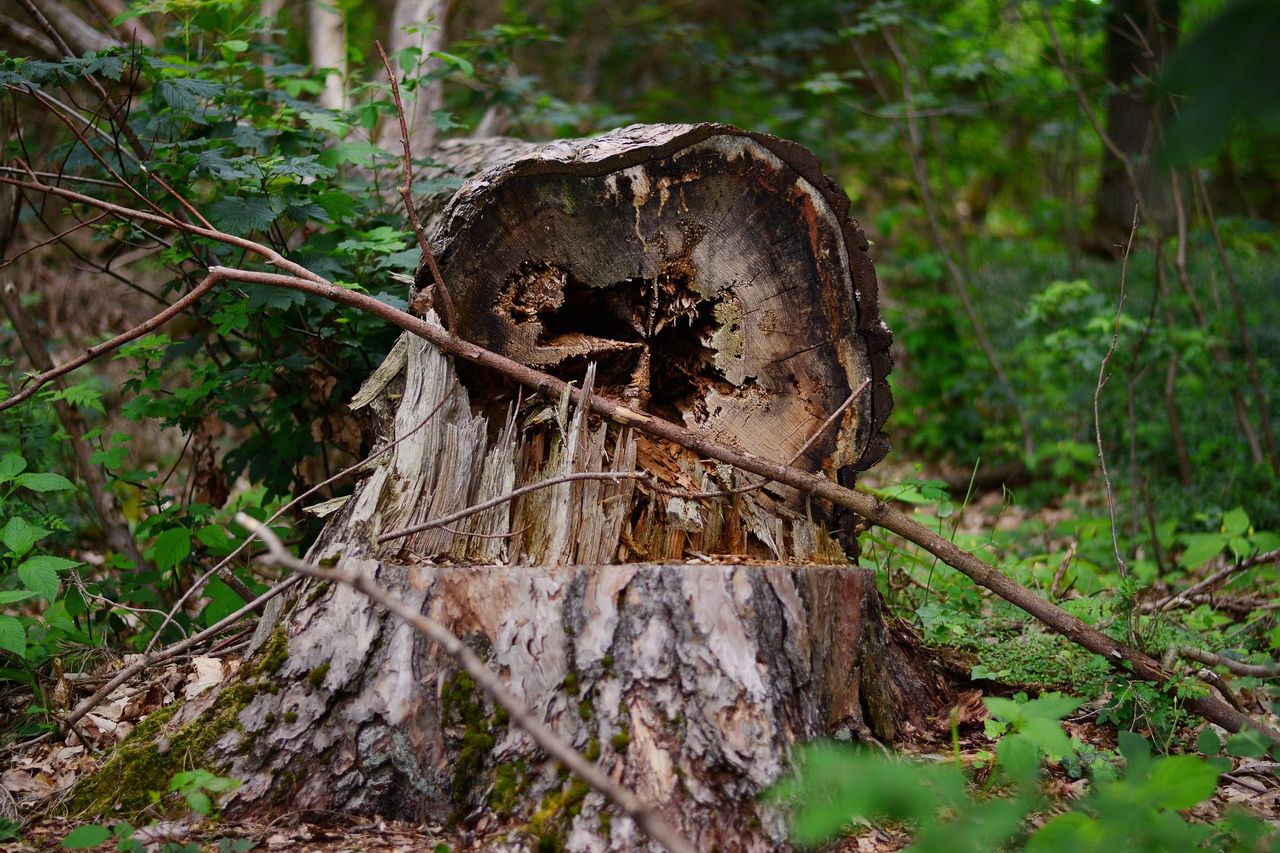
[838, 786]
[200, 789]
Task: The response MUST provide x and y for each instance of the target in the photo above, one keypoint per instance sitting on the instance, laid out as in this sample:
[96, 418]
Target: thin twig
[42, 379]
[1121, 564]
[176, 649]
[1255, 670]
[1214, 579]
[742, 490]
[510, 496]
[644, 816]
[406, 193]
[225, 561]
[5, 261]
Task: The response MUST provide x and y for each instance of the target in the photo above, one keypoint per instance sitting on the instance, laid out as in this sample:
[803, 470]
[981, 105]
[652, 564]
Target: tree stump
[684, 641]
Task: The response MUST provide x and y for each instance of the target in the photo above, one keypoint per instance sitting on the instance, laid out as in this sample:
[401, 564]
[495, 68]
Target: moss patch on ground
[145, 761]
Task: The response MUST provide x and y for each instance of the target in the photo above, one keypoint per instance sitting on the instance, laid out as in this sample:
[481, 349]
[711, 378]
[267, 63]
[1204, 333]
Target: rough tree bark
[685, 643]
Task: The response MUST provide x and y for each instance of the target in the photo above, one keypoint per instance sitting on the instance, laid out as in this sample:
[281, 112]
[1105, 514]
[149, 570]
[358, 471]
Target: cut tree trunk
[684, 642]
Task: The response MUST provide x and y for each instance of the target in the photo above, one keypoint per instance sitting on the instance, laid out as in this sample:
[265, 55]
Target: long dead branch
[875, 510]
[645, 817]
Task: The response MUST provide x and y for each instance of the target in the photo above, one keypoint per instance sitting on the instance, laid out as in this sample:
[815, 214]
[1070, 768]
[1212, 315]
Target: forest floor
[39, 774]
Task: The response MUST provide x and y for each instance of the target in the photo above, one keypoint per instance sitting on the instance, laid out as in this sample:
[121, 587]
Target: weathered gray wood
[686, 643]
[690, 684]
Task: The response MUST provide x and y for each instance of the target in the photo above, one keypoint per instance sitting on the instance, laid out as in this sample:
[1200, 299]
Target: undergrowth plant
[1133, 799]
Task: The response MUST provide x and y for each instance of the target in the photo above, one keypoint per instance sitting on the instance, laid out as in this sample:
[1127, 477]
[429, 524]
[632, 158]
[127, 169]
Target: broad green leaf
[19, 535]
[456, 61]
[1247, 744]
[1208, 742]
[170, 548]
[1202, 547]
[215, 538]
[1048, 735]
[12, 636]
[1180, 782]
[1005, 709]
[44, 482]
[182, 93]
[1019, 757]
[9, 596]
[85, 837]
[41, 574]
[1070, 831]
[1051, 706]
[241, 215]
[231, 47]
[1235, 522]
[223, 601]
[11, 465]
[1137, 753]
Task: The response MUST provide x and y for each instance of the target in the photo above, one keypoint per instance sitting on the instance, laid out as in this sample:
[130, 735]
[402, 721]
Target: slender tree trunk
[1140, 35]
[327, 33]
[420, 24]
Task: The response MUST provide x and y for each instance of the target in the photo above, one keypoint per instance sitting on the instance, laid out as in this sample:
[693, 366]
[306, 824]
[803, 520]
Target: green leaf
[1051, 706]
[170, 548]
[1247, 744]
[1235, 522]
[1048, 735]
[1180, 782]
[12, 636]
[456, 61]
[40, 574]
[199, 802]
[223, 601]
[1004, 709]
[44, 482]
[1137, 753]
[1070, 831]
[1201, 547]
[215, 538]
[1208, 743]
[87, 836]
[231, 47]
[19, 535]
[11, 465]
[1019, 757]
[182, 93]
[241, 215]
[9, 596]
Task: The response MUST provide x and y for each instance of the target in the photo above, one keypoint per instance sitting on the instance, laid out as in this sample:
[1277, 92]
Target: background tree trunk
[327, 44]
[685, 643]
[1140, 36]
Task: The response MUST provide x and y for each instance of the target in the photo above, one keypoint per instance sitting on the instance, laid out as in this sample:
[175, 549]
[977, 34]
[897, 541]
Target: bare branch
[1121, 564]
[644, 816]
[406, 193]
[510, 496]
[875, 510]
[1255, 670]
[93, 352]
[1213, 580]
[173, 651]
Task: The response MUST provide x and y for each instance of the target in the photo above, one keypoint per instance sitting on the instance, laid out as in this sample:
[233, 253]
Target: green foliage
[200, 788]
[1133, 809]
[1227, 72]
